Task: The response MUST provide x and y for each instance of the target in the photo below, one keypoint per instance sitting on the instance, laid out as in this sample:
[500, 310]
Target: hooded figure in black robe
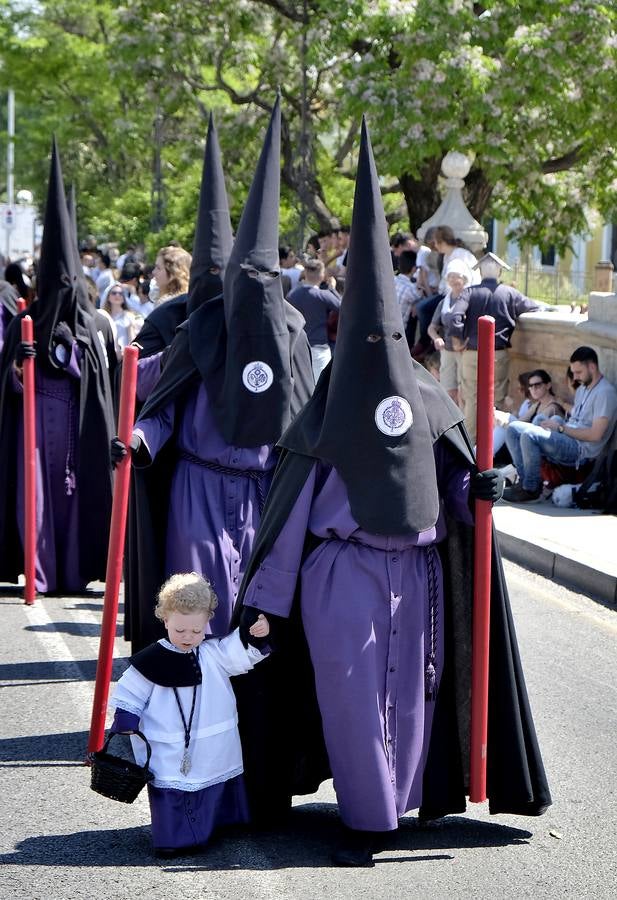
[363, 565]
[211, 250]
[74, 420]
[236, 374]
[8, 307]
[102, 322]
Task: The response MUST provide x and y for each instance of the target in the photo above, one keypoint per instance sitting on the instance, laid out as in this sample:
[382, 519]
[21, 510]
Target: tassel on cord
[430, 673]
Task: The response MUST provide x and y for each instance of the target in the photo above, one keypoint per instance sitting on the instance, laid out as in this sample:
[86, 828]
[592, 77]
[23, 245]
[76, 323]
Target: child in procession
[177, 692]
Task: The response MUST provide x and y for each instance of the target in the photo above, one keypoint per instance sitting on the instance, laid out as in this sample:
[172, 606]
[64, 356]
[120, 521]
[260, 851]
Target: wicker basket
[117, 778]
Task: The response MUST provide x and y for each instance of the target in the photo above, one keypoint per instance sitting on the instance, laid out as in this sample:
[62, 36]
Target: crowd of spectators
[442, 289]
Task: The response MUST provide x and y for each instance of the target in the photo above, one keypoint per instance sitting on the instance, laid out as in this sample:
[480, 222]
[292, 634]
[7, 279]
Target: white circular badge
[257, 377]
[393, 416]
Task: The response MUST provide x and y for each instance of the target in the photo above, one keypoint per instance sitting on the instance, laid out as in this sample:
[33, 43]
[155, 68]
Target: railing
[551, 285]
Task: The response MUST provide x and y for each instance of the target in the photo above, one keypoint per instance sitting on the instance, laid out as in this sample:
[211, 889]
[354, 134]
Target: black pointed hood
[252, 405]
[213, 235]
[367, 416]
[59, 298]
[83, 298]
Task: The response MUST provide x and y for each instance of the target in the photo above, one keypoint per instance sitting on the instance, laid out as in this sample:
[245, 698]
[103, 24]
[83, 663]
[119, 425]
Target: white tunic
[214, 749]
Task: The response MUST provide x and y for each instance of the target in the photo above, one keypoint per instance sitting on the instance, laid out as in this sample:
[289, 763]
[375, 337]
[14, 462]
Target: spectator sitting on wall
[572, 443]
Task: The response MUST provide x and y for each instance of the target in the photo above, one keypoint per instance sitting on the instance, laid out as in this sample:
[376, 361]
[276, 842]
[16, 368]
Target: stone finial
[452, 210]
[603, 277]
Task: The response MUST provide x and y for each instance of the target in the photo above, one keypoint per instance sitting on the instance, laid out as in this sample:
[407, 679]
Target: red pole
[482, 563]
[27, 337]
[115, 553]
[21, 304]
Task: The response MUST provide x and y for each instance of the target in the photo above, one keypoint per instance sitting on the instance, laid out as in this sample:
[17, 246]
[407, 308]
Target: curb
[569, 572]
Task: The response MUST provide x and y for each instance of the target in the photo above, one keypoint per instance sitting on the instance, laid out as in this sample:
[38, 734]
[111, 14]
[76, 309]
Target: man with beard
[237, 372]
[74, 418]
[365, 549]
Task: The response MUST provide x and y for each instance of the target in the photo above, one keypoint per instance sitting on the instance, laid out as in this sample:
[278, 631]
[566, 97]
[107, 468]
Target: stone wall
[546, 340]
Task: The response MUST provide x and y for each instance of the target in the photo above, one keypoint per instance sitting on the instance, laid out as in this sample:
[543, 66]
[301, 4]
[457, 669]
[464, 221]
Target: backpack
[599, 489]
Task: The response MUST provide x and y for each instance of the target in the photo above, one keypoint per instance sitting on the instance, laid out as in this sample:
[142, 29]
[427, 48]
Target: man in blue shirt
[581, 438]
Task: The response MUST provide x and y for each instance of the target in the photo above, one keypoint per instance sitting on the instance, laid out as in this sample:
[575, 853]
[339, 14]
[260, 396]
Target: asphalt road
[60, 840]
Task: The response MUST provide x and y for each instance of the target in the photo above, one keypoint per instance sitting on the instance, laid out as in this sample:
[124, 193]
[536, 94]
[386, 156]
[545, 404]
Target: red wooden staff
[482, 563]
[116, 551]
[27, 336]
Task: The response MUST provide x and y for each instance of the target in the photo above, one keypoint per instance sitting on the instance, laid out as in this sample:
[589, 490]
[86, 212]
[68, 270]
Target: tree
[525, 89]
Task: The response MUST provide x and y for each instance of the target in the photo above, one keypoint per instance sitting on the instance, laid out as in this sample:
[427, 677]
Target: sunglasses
[534, 384]
[116, 293]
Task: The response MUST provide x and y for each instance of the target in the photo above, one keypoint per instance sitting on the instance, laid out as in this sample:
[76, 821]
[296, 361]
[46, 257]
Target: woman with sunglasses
[542, 398]
[126, 323]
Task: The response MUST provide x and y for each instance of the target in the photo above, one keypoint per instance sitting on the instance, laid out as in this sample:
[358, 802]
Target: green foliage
[526, 89]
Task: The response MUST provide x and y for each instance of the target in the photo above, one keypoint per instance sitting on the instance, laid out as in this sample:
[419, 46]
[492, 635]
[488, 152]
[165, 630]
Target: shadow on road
[51, 672]
[80, 629]
[306, 841]
[67, 746]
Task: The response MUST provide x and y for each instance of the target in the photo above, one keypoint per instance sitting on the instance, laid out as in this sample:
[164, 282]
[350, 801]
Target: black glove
[118, 448]
[487, 485]
[62, 334]
[24, 351]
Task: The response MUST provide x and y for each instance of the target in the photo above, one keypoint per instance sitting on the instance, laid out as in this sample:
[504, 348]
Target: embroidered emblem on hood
[257, 377]
[393, 416]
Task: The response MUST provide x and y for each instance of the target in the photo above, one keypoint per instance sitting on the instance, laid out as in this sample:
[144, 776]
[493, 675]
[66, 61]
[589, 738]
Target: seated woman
[539, 400]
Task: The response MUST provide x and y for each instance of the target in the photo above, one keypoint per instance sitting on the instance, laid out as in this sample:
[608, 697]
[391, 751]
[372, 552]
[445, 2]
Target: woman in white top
[125, 323]
[453, 248]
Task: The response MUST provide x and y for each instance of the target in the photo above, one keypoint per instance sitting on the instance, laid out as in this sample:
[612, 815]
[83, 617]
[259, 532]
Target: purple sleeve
[73, 366]
[272, 587]
[124, 721]
[148, 373]
[453, 477]
[154, 432]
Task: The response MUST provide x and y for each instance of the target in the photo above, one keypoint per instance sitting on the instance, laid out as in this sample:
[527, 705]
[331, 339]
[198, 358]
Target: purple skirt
[188, 818]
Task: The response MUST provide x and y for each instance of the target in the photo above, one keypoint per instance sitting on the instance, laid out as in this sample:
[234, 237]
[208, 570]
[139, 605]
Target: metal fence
[551, 285]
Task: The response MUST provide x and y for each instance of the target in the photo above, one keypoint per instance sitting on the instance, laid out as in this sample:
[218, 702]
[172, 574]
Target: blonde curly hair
[177, 265]
[186, 592]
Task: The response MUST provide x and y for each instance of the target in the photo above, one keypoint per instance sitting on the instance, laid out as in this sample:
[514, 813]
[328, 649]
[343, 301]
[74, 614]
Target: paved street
[60, 840]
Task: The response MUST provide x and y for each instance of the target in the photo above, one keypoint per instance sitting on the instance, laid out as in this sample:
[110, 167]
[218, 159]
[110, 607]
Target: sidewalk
[573, 546]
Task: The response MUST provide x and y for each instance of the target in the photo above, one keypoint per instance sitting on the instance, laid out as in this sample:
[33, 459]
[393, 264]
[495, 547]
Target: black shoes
[518, 494]
[357, 847]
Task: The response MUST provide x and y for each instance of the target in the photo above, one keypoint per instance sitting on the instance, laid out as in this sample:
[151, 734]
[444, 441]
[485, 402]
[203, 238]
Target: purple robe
[148, 373]
[213, 515]
[57, 526]
[366, 602]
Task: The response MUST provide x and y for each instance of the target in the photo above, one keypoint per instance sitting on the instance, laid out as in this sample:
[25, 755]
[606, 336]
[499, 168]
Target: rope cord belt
[256, 475]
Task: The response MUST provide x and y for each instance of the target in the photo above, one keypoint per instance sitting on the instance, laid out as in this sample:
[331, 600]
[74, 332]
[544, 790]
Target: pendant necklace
[185, 765]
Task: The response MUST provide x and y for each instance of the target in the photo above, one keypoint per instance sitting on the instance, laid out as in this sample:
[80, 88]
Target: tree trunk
[299, 173]
[478, 192]
[421, 194]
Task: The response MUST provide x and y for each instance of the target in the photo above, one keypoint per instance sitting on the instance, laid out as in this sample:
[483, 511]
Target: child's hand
[261, 628]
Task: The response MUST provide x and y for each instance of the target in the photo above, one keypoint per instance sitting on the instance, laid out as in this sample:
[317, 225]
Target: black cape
[280, 724]
[159, 328]
[144, 568]
[93, 471]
